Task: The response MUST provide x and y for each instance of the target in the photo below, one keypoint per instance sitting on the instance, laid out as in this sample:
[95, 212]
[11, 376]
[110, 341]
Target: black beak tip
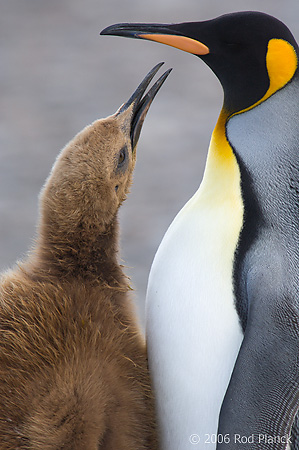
[119, 29]
[107, 30]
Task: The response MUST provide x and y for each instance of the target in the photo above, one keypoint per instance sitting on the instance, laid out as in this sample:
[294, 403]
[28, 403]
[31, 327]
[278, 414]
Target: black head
[235, 46]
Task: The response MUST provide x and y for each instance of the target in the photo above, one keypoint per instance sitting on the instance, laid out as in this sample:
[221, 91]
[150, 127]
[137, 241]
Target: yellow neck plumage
[222, 175]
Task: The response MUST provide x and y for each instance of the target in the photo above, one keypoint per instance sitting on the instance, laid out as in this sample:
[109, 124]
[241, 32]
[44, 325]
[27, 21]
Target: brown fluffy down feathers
[73, 370]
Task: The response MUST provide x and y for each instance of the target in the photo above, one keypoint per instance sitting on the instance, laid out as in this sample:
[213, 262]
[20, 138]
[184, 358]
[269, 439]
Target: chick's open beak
[140, 103]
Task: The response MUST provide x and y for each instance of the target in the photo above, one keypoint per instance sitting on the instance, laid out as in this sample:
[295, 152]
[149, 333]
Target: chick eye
[121, 157]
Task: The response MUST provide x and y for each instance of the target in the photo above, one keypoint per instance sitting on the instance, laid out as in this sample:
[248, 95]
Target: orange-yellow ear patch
[281, 60]
[282, 63]
[181, 42]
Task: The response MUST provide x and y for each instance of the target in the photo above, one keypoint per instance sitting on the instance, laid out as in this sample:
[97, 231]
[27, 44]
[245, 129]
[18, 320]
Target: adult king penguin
[223, 295]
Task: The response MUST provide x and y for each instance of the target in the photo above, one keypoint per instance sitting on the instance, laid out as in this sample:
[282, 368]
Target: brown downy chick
[73, 371]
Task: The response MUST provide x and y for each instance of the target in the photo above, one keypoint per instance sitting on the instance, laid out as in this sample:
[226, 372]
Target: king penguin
[73, 367]
[223, 293]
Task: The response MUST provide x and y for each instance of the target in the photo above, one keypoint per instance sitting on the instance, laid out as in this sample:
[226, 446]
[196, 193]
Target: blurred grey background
[57, 75]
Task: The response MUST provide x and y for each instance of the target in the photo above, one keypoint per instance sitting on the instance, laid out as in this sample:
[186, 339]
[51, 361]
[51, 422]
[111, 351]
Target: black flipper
[262, 399]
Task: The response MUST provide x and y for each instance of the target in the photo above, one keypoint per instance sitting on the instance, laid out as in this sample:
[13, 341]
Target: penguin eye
[122, 156]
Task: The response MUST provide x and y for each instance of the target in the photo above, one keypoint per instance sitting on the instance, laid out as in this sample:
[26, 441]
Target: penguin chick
[73, 370]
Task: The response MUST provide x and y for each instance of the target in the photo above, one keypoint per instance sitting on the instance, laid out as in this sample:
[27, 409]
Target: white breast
[193, 331]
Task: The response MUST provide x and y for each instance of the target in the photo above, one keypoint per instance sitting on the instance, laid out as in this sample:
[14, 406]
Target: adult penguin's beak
[168, 34]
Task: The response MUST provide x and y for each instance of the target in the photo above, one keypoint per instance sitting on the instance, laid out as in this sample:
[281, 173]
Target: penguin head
[247, 51]
[93, 173]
